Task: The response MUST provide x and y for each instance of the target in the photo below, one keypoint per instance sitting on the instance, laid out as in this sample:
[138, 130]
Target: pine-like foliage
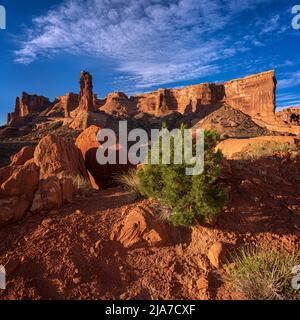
[191, 198]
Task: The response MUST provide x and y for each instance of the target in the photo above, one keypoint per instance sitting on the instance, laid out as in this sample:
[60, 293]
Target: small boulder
[22, 181]
[52, 194]
[140, 229]
[54, 155]
[215, 254]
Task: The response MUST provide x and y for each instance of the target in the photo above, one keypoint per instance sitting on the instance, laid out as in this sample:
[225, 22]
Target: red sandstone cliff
[254, 95]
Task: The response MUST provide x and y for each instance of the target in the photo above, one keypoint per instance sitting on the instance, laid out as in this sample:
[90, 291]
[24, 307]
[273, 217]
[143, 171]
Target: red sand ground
[68, 254]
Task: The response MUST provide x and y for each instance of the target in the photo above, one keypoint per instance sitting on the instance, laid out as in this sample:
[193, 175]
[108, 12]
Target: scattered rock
[214, 254]
[140, 229]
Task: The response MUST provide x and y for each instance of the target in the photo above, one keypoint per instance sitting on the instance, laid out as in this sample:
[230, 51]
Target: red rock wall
[254, 95]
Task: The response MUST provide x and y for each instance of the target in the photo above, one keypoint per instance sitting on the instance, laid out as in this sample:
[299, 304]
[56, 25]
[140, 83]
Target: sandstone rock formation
[54, 156]
[140, 229]
[82, 119]
[88, 145]
[18, 184]
[22, 181]
[117, 104]
[240, 148]
[52, 194]
[64, 105]
[289, 116]
[86, 97]
[254, 95]
[28, 104]
[25, 154]
[41, 179]
[186, 100]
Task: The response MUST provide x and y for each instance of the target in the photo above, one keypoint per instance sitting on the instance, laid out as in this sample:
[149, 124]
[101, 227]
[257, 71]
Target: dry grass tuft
[265, 274]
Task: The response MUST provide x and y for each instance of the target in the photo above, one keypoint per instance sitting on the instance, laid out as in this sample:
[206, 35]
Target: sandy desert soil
[69, 254]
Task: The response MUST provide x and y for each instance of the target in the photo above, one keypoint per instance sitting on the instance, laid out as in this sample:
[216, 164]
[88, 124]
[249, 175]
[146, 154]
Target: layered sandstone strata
[186, 100]
[253, 95]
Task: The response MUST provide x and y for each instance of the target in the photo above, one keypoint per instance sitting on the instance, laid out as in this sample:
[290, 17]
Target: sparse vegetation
[130, 181]
[265, 274]
[270, 149]
[188, 198]
[81, 184]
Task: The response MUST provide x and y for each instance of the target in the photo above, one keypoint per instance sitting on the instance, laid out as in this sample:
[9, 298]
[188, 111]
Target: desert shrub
[189, 198]
[82, 184]
[270, 149]
[265, 274]
[130, 181]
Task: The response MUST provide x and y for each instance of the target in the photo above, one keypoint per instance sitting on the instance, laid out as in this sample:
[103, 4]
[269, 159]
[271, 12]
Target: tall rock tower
[86, 97]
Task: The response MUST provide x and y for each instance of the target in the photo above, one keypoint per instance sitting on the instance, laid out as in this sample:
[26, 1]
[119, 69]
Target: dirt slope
[68, 254]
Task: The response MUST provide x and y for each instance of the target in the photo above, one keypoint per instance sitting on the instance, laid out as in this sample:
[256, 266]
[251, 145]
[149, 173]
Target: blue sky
[137, 46]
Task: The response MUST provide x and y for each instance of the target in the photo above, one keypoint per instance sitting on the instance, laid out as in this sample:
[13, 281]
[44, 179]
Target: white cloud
[289, 80]
[152, 41]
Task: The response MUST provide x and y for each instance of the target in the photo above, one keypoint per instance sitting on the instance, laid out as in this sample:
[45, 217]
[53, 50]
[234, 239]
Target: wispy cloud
[289, 80]
[153, 42]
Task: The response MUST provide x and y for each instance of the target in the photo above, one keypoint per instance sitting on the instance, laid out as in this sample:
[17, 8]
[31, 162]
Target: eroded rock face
[103, 175]
[52, 194]
[186, 100]
[22, 181]
[42, 183]
[84, 119]
[117, 104]
[254, 95]
[64, 105]
[86, 97]
[28, 104]
[54, 155]
[25, 154]
[140, 229]
[289, 116]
